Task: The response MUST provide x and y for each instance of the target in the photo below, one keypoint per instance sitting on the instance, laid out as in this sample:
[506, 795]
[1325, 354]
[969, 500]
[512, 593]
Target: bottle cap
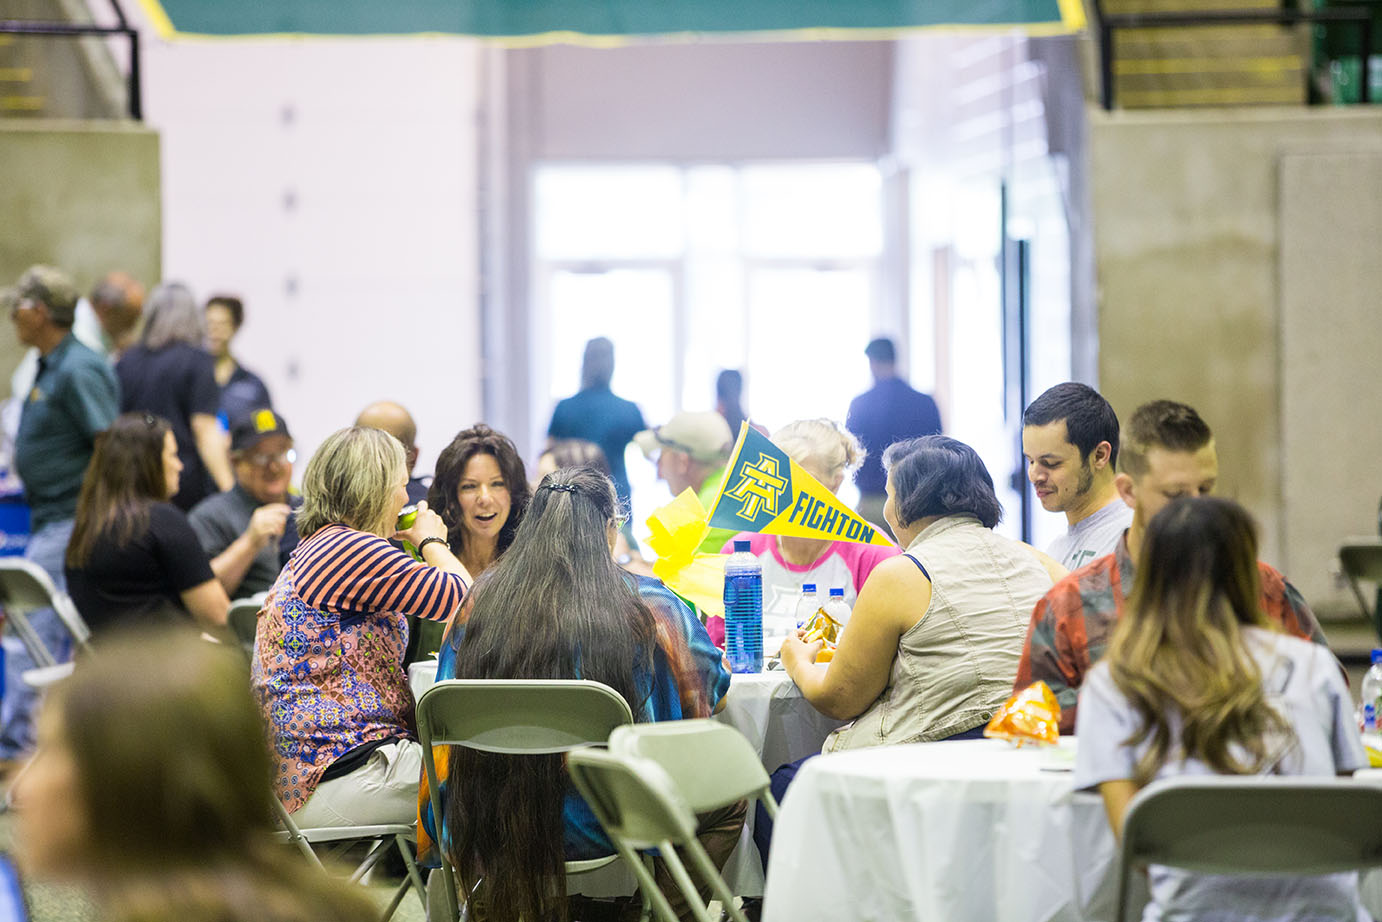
[741, 546]
[808, 587]
[1377, 656]
[837, 593]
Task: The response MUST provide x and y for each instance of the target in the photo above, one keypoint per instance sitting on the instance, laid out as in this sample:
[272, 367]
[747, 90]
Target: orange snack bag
[823, 627]
[1029, 716]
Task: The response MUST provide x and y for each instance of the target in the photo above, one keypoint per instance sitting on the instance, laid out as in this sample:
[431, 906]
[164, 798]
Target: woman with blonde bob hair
[167, 825]
[1196, 681]
[328, 650]
[828, 452]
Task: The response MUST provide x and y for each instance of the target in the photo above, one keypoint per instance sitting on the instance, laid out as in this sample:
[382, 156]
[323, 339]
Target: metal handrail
[133, 86]
[1357, 16]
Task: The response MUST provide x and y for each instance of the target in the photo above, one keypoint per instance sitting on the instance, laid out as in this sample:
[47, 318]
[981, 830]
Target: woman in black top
[133, 556]
[169, 374]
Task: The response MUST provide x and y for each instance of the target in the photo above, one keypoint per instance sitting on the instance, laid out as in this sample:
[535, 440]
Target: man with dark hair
[74, 397]
[597, 415]
[1167, 452]
[248, 530]
[1070, 441]
[890, 411]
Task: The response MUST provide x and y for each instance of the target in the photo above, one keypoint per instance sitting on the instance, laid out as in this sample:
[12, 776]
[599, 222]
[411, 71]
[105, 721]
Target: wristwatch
[428, 540]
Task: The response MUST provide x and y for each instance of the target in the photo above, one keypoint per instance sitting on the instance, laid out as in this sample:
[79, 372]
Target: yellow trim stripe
[158, 18]
[1072, 20]
[1072, 14]
[16, 74]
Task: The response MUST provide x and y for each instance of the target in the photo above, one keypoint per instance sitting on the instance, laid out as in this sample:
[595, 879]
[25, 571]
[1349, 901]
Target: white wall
[332, 184]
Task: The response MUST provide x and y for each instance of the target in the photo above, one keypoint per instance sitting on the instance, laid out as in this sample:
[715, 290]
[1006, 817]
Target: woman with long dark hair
[556, 606]
[480, 490]
[133, 555]
[151, 786]
[1197, 681]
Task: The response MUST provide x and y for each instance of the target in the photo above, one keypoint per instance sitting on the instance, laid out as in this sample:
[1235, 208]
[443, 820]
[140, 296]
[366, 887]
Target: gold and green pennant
[766, 491]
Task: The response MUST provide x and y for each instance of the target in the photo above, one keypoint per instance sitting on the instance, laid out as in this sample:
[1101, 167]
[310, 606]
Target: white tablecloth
[768, 708]
[422, 675]
[964, 831]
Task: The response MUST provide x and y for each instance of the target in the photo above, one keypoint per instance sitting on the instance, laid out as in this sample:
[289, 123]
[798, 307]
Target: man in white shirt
[1070, 442]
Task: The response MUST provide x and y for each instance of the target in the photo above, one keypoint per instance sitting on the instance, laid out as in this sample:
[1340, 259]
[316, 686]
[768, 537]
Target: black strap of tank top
[919, 567]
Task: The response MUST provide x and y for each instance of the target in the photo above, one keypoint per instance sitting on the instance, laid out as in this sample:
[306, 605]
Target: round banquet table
[965, 830]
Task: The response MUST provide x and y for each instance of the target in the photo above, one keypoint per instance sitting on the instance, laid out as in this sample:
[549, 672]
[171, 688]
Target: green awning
[599, 21]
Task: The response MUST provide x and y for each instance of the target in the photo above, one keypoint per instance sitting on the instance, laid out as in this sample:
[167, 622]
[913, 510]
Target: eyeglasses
[264, 459]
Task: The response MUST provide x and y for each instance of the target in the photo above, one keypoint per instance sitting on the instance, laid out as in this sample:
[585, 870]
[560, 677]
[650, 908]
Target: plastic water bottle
[1370, 692]
[807, 605]
[837, 608]
[744, 610]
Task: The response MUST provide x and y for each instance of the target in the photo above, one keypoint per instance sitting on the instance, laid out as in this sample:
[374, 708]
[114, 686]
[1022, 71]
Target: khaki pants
[380, 792]
[718, 833]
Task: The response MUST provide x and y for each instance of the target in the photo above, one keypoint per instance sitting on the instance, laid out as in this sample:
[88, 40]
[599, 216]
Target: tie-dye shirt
[328, 650]
[688, 680]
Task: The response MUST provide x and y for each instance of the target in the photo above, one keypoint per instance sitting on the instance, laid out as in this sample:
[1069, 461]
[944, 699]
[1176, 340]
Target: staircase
[57, 77]
[1208, 65]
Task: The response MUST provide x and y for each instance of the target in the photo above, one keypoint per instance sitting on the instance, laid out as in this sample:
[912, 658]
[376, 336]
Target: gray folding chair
[378, 840]
[1361, 561]
[514, 717]
[637, 803]
[1251, 825]
[243, 618]
[25, 587]
[711, 764]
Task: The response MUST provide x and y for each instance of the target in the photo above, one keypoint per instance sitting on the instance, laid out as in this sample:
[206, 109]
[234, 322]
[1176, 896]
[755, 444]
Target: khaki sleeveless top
[956, 665]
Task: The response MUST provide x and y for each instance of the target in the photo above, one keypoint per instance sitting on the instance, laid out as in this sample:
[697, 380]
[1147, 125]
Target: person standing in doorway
[74, 397]
[890, 411]
[597, 415]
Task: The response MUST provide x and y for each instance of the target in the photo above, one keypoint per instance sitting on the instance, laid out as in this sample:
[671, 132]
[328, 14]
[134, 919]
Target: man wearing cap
[248, 530]
[74, 397]
[691, 450]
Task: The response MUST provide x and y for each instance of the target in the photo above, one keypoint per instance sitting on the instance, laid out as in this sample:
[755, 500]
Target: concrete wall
[80, 195]
[332, 184]
[1210, 270]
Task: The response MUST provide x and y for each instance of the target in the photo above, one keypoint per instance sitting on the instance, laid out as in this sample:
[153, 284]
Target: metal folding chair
[1361, 560]
[1236, 824]
[514, 717]
[638, 804]
[379, 839]
[25, 587]
[711, 764]
[243, 618]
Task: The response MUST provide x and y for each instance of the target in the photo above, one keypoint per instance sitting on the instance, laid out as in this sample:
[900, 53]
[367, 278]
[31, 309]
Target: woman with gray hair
[329, 645]
[828, 452]
[168, 374]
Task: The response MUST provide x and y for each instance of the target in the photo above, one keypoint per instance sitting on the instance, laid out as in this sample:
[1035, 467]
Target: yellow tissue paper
[678, 529]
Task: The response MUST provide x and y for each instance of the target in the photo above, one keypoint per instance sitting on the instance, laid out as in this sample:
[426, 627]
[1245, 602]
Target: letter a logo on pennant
[760, 487]
[765, 491]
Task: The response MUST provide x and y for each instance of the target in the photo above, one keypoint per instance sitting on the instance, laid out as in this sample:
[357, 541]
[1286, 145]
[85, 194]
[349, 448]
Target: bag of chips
[1029, 716]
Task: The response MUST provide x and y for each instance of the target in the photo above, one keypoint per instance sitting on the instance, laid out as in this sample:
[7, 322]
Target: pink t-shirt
[845, 565]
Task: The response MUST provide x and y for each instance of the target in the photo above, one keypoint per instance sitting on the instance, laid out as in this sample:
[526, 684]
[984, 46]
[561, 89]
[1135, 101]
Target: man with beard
[1070, 441]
